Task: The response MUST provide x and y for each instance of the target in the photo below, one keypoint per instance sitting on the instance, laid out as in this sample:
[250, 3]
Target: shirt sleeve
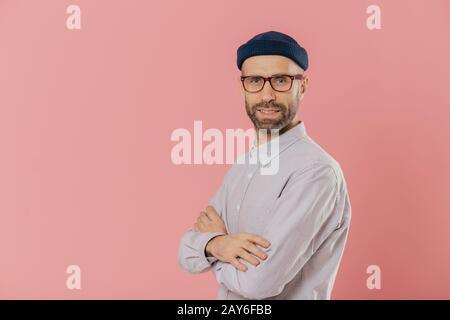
[191, 255]
[304, 215]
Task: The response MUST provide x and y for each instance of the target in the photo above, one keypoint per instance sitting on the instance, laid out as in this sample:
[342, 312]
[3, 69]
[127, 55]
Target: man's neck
[265, 138]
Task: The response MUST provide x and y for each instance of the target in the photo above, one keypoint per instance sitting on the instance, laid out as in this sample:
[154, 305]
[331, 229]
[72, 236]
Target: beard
[278, 120]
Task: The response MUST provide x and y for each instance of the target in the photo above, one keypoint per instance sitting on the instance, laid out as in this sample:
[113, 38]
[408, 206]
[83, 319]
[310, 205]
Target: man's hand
[228, 248]
[210, 221]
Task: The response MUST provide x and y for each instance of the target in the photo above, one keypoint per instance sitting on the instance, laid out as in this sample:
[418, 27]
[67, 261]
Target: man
[282, 235]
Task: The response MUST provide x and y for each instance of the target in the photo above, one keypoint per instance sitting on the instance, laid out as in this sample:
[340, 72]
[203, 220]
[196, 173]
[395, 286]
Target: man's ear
[303, 86]
[241, 88]
[301, 89]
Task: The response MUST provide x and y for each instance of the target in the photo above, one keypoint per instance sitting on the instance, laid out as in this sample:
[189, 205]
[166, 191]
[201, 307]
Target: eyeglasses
[280, 83]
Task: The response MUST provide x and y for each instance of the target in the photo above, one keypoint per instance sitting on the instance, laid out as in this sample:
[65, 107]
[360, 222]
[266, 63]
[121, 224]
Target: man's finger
[257, 239]
[235, 263]
[201, 225]
[201, 218]
[247, 256]
[204, 215]
[250, 247]
[212, 214]
[205, 222]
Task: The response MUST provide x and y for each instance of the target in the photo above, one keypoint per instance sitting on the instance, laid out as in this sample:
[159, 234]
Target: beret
[273, 43]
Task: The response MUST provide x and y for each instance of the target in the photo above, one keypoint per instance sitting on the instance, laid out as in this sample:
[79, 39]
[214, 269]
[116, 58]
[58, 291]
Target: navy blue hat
[273, 43]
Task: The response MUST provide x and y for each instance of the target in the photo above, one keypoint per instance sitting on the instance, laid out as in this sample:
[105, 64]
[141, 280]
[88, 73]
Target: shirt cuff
[203, 240]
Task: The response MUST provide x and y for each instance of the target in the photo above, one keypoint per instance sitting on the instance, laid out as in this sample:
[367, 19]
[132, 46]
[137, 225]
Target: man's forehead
[267, 65]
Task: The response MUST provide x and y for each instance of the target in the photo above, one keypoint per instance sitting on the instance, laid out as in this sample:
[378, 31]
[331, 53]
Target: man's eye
[280, 80]
[255, 80]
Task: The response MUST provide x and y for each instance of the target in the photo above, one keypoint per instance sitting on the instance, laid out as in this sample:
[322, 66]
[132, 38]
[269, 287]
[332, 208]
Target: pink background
[86, 117]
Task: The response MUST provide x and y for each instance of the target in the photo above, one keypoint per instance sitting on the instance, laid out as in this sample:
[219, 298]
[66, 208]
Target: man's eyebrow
[273, 75]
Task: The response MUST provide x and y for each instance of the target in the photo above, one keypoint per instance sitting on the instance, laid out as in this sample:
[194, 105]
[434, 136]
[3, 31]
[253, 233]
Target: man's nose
[267, 92]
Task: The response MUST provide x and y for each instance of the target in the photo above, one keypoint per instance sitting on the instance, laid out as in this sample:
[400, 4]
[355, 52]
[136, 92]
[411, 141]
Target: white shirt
[303, 211]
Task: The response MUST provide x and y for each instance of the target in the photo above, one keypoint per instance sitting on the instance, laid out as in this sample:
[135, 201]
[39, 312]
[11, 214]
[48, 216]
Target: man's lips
[268, 111]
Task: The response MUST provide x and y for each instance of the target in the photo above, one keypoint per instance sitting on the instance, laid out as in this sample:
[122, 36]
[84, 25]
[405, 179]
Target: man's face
[270, 109]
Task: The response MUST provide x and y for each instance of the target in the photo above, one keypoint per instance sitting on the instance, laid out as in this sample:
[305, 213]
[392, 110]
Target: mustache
[271, 105]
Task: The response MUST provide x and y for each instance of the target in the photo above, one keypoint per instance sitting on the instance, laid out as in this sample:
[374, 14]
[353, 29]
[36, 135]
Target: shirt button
[249, 175]
[238, 207]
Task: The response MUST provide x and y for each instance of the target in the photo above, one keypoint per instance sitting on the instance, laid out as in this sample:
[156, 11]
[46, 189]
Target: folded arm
[302, 218]
[191, 254]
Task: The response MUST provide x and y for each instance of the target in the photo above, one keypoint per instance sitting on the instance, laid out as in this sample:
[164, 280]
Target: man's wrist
[209, 250]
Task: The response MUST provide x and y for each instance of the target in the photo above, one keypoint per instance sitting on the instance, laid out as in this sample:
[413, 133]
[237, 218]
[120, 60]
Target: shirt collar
[284, 141]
